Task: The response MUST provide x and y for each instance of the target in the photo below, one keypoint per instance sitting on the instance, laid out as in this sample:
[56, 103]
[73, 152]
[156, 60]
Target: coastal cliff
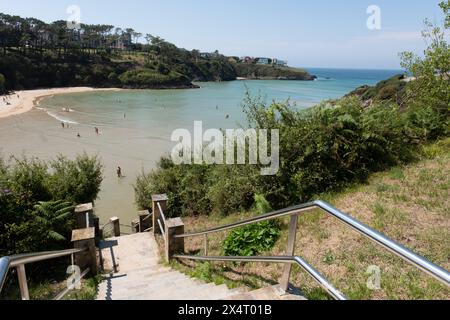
[271, 72]
[37, 54]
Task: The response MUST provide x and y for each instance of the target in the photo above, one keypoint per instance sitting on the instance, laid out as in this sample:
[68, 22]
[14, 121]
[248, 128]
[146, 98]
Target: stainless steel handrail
[162, 229]
[4, 267]
[62, 294]
[399, 250]
[147, 217]
[17, 260]
[324, 283]
[162, 212]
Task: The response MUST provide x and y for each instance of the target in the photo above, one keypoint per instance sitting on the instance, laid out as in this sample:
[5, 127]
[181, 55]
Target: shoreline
[25, 100]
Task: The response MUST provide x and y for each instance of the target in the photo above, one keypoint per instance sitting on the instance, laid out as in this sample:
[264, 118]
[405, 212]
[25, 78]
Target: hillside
[35, 54]
[392, 89]
[408, 203]
[267, 72]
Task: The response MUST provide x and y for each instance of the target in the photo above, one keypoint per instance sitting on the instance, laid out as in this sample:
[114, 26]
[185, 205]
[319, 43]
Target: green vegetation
[36, 199]
[322, 149]
[253, 239]
[35, 54]
[390, 90]
[144, 78]
[268, 72]
[385, 162]
[36, 208]
[409, 203]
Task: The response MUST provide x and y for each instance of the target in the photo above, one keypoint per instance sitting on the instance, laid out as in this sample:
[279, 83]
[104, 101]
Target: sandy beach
[23, 101]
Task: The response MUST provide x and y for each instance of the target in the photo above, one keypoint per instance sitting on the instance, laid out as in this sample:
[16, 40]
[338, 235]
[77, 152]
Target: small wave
[61, 119]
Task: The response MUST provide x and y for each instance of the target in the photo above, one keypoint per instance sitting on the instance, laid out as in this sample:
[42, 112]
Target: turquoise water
[216, 104]
[136, 126]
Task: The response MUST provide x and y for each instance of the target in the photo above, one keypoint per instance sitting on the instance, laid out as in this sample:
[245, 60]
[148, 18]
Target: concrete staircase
[133, 272]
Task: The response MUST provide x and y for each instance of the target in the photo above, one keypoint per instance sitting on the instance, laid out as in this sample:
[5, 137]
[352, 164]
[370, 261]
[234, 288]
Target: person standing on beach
[62, 125]
[96, 130]
[119, 172]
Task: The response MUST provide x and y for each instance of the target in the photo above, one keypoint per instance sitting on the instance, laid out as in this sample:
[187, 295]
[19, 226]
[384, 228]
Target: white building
[263, 61]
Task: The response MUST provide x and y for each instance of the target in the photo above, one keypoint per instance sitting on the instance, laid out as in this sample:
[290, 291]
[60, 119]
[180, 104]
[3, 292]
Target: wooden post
[116, 224]
[144, 220]
[23, 285]
[174, 245]
[85, 215]
[97, 227]
[162, 200]
[284, 281]
[85, 239]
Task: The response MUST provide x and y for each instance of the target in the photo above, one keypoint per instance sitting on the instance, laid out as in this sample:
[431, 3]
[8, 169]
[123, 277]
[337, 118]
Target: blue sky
[317, 33]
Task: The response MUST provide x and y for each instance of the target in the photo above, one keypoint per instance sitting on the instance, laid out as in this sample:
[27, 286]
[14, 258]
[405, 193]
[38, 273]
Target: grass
[410, 204]
[49, 289]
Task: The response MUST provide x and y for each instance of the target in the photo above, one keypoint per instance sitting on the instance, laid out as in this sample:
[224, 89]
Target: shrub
[76, 181]
[147, 78]
[34, 200]
[232, 188]
[255, 238]
[252, 239]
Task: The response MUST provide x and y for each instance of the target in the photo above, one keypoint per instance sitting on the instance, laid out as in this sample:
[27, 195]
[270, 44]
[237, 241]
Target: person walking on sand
[62, 125]
[96, 130]
[119, 172]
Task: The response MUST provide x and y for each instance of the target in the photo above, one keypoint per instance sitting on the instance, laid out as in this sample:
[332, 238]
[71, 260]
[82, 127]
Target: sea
[135, 126]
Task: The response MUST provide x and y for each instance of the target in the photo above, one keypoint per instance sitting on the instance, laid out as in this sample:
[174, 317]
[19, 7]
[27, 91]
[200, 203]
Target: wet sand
[23, 101]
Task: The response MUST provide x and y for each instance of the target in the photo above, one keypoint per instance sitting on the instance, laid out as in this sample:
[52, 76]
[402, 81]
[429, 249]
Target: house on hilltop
[280, 63]
[263, 61]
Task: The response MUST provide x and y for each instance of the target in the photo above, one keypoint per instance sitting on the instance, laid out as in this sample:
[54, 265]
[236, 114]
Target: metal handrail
[399, 250]
[162, 212]
[162, 229]
[4, 267]
[63, 293]
[20, 260]
[324, 283]
[148, 216]
[17, 260]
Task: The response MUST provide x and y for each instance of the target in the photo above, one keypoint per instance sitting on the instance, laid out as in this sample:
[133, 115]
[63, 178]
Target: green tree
[76, 181]
[55, 219]
[431, 87]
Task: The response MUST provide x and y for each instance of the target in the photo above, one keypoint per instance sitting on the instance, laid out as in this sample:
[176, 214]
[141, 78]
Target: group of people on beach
[7, 98]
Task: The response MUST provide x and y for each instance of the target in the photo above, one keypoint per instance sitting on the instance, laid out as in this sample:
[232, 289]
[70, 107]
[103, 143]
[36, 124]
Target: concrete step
[142, 277]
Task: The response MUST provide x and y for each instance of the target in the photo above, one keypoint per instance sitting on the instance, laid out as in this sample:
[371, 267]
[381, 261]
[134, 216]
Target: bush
[255, 238]
[322, 149]
[252, 239]
[34, 197]
[232, 188]
[76, 181]
[147, 78]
